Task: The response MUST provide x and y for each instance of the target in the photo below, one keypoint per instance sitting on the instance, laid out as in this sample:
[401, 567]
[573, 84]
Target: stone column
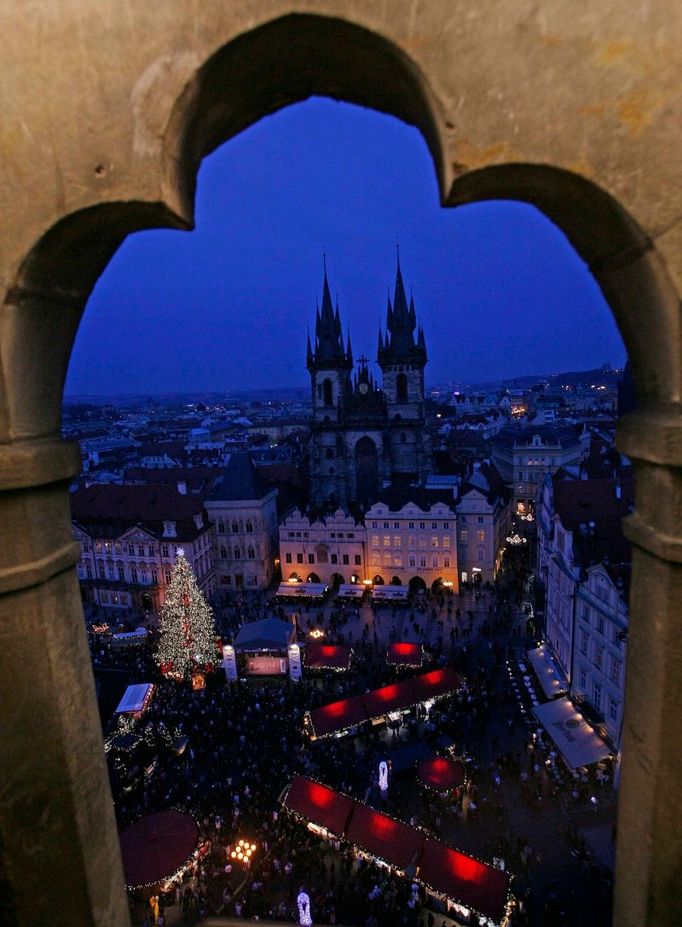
[59, 856]
[648, 888]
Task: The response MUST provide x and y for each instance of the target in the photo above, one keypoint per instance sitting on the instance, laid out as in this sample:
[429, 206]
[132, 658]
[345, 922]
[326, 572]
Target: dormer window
[169, 529]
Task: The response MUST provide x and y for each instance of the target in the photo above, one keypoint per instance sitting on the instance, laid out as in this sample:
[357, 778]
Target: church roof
[240, 481]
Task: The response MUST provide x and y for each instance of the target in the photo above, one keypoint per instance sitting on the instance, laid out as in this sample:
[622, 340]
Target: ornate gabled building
[364, 436]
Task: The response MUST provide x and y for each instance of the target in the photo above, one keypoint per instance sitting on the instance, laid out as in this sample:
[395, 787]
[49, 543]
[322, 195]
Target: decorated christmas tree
[187, 644]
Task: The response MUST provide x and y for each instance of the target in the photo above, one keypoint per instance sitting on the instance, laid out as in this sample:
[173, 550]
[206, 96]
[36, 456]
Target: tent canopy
[441, 773]
[302, 590]
[328, 656]
[156, 846]
[546, 671]
[400, 695]
[576, 739]
[135, 698]
[384, 837]
[464, 879]
[403, 653]
[350, 591]
[267, 634]
[319, 804]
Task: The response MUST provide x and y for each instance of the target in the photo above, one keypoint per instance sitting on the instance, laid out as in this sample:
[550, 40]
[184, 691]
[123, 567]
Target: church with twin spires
[365, 435]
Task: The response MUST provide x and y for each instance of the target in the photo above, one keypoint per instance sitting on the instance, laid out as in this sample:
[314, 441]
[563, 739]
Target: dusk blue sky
[497, 287]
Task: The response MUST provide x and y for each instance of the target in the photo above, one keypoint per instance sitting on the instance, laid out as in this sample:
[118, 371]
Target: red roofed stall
[441, 773]
[319, 804]
[398, 696]
[434, 684]
[464, 879]
[328, 656]
[383, 837]
[337, 716]
[403, 653]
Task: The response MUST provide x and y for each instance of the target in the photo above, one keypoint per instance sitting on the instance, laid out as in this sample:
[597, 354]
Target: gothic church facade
[365, 436]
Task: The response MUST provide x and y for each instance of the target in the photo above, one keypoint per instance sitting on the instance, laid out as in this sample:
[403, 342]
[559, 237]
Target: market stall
[157, 847]
[403, 653]
[319, 805]
[384, 838]
[579, 743]
[390, 593]
[350, 592]
[328, 656]
[264, 645]
[442, 774]
[311, 592]
[136, 699]
[547, 671]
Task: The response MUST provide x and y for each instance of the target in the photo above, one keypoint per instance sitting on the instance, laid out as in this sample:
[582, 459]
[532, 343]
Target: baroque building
[365, 436]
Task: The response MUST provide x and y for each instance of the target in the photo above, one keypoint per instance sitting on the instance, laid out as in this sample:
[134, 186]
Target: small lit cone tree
[187, 641]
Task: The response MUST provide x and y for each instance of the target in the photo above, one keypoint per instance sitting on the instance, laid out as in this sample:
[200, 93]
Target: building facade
[364, 436]
[327, 548]
[524, 454]
[128, 536]
[242, 509]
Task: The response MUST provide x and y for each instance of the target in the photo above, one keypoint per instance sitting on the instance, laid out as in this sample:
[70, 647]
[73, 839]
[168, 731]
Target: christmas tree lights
[187, 643]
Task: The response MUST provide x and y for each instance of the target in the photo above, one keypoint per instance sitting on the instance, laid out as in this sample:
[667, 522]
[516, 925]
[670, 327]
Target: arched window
[221, 527]
[235, 527]
[251, 553]
[237, 553]
[401, 388]
[223, 552]
[249, 527]
[327, 393]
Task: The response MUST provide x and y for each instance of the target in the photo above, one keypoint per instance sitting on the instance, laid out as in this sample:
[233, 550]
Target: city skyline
[499, 289]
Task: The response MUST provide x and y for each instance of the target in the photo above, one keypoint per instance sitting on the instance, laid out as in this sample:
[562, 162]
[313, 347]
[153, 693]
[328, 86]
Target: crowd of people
[244, 741]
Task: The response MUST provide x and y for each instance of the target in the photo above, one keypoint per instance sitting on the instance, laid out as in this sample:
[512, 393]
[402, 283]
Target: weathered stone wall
[108, 109]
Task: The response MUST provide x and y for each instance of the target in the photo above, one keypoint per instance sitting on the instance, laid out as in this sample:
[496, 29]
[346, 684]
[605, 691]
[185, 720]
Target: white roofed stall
[547, 671]
[577, 740]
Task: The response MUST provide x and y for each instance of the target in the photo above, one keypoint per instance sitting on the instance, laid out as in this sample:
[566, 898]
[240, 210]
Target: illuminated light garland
[187, 641]
[305, 918]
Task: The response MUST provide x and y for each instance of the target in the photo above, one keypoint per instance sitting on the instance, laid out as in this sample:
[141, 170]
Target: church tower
[402, 358]
[330, 365]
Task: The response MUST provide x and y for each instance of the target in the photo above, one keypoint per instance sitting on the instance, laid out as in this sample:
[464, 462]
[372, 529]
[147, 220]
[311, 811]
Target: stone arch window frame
[626, 264]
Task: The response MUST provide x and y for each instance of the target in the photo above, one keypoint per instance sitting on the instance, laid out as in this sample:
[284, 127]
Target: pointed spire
[412, 313]
[349, 350]
[389, 314]
[309, 351]
[381, 341]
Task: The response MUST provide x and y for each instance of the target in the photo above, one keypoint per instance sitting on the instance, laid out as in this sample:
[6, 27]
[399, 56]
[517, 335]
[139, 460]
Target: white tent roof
[547, 672]
[390, 592]
[302, 590]
[134, 698]
[351, 589]
[578, 741]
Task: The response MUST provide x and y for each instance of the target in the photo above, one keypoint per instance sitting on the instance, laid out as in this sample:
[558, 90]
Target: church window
[287, 558]
[401, 387]
[327, 391]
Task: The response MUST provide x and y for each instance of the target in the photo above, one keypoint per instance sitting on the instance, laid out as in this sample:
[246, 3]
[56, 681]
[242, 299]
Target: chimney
[182, 487]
